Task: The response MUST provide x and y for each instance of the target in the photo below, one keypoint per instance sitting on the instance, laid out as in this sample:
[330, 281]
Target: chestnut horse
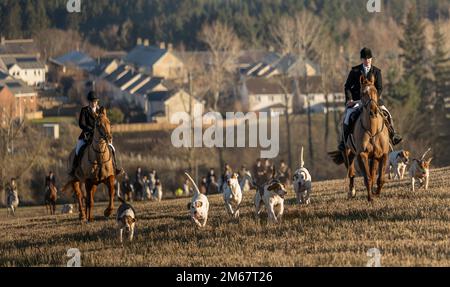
[96, 167]
[50, 199]
[371, 143]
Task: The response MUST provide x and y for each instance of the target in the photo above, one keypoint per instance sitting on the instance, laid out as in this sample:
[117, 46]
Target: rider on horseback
[353, 97]
[88, 116]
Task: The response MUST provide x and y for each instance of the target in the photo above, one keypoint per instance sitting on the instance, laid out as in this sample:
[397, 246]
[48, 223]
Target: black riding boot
[74, 165]
[346, 132]
[393, 135]
[117, 170]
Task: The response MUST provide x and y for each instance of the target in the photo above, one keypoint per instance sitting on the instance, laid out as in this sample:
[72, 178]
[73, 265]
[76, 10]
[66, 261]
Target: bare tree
[19, 147]
[300, 36]
[223, 46]
[286, 83]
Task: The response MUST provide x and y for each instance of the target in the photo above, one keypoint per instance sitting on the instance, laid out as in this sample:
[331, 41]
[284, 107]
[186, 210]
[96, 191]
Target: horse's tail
[66, 186]
[337, 157]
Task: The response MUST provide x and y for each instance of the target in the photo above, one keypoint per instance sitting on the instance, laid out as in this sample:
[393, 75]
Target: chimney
[139, 41]
[170, 47]
[162, 45]
[146, 43]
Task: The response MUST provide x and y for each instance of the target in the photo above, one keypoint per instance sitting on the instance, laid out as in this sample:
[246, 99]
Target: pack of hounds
[270, 191]
[271, 194]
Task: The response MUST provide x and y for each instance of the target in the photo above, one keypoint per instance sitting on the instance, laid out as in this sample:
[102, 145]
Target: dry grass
[409, 229]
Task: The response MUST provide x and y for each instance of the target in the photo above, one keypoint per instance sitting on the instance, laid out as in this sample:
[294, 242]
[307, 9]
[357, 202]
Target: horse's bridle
[365, 105]
[103, 136]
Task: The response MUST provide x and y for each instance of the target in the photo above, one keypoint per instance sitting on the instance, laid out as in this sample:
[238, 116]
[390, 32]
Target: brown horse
[371, 143]
[96, 167]
[50, 199]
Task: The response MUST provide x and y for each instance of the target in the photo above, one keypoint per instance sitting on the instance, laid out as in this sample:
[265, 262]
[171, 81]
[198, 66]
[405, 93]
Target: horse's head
[369, 95]
[103, 126]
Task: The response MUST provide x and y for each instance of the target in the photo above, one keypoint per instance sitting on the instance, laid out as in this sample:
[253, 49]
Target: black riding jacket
[87, 122]
[353, 84]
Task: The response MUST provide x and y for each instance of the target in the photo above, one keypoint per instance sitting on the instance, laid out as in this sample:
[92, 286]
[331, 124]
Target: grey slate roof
[17, 86]
[145, 56]
[78, 59]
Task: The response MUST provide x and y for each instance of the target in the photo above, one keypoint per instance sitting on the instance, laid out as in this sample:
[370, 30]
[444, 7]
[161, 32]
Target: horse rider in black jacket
[353, 97]
[88, 116]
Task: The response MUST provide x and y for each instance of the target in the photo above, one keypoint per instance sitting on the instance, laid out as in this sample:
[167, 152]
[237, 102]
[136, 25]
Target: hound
[246, 182]
[397, 163]
[420, 170]
[157, 192]
[199, 205]
[272, 196]
[302, 182]
[67, 209]
[126, 219]
[232, 195]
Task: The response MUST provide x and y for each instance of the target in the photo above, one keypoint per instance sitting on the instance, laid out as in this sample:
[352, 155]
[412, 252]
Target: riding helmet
[366, 53]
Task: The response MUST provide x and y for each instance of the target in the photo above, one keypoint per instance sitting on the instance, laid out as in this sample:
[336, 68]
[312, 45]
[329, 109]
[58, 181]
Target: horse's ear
[102, 110]
[372, 79]
[361, 79]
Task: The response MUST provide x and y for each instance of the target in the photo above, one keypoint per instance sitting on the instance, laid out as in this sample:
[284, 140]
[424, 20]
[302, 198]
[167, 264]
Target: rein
[366, 130]
[104, 137]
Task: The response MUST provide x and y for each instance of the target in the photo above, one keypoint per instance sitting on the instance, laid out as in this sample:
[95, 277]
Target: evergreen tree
[413, 45]
[440, 62]
[35, 17]
[12, 20]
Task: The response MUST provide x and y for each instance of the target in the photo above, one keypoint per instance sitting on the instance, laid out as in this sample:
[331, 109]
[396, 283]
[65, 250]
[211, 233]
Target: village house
[164, 104]
[156, 61]
[20, 59]
[266, 95]
[18, 100]
[28, 69]
[74, 60]
[312, 95]
[125, 83]
[273, 64]
[274, 95]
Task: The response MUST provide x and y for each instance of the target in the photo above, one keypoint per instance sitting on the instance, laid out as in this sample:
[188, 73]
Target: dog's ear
[275, 186]
[406, 153]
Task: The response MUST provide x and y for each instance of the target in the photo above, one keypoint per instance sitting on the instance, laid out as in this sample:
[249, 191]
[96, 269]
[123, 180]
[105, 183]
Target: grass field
[409, 230]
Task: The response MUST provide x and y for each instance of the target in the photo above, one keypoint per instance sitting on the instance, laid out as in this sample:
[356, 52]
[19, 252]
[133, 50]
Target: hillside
[409, 229]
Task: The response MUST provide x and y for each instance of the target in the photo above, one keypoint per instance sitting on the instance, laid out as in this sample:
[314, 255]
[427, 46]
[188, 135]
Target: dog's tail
[193, 183]
[337, 157]
[425, 153]
[302, 163]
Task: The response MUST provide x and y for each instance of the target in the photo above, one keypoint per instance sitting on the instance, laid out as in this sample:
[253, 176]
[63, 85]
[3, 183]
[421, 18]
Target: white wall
[32, 77]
